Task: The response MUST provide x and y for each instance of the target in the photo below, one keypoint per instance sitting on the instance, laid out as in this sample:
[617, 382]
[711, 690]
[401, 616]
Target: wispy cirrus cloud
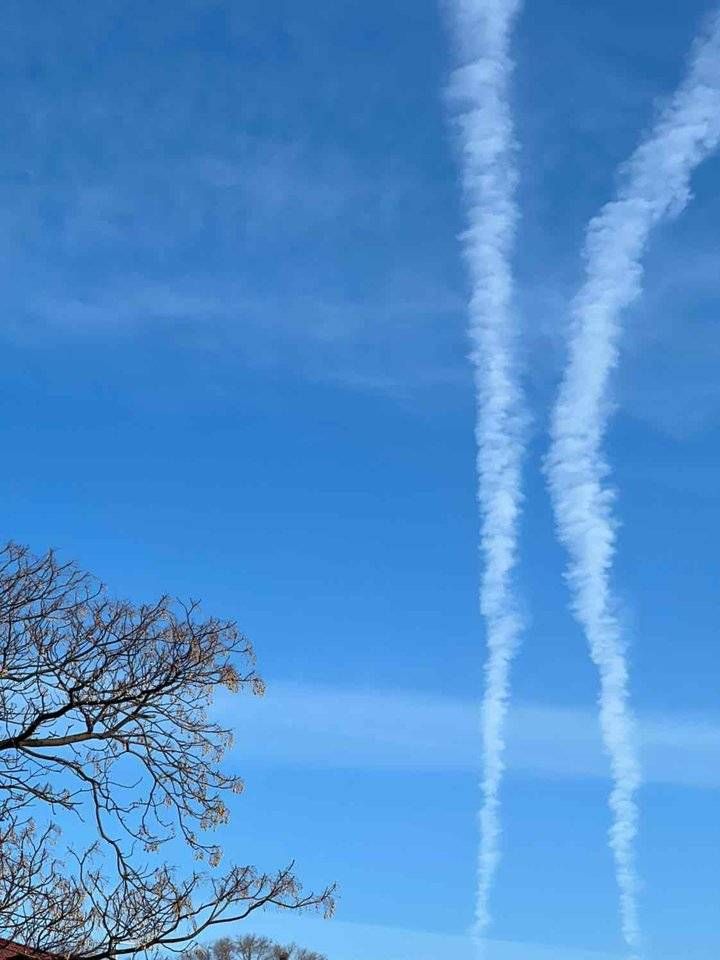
[186, 192]
[247, 254]
[319, 726]
[358, 941]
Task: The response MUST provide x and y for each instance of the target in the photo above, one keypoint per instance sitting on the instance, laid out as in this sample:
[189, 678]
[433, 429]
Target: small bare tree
[250, 947]
[103, 715]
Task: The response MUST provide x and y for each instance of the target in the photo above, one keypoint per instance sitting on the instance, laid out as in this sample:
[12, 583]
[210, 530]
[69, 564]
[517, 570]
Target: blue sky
[233, 367]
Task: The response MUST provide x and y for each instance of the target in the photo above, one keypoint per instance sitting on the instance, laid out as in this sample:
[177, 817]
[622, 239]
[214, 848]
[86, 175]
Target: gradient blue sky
[233, 367]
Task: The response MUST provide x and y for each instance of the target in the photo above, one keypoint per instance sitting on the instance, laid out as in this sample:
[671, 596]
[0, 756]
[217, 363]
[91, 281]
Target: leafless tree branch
[104, 715]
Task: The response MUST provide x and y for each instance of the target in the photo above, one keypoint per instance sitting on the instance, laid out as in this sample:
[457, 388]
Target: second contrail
[653, 185]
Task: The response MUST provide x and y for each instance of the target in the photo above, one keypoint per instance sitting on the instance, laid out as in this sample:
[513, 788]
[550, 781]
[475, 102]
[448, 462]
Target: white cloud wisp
[480, 88]
[328, 728]
[654, 184]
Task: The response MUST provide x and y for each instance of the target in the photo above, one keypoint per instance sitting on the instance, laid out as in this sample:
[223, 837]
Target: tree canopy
[104, 718]
[250, 947]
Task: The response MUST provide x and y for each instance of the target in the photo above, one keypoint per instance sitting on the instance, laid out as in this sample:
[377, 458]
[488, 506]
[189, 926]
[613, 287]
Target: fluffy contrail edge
[654, 184]
[479, 88]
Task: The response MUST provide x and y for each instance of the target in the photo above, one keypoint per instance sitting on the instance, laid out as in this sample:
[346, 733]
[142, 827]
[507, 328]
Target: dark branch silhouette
[103, 716]
[250, 947]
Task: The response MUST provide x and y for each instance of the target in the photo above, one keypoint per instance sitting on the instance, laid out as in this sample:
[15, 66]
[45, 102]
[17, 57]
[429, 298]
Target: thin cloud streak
[357, 941]
[387, 730]
[654, 184]
[480, 90]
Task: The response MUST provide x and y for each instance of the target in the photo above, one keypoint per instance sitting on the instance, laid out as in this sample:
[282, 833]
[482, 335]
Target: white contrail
[480, 86]
[654, 184]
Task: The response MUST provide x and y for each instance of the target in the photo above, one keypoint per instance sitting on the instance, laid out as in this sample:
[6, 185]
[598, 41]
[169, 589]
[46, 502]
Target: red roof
[9, 949]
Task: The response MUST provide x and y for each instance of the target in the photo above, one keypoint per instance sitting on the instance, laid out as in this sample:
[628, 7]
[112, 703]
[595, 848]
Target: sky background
[233, 368]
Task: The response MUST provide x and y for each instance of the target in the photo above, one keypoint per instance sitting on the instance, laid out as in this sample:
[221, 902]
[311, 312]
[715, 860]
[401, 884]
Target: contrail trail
[480, 87]
[654, 184]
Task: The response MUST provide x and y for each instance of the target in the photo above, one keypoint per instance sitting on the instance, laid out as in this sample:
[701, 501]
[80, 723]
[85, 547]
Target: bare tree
[291, 952]
[250, 947]
[103, 716]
